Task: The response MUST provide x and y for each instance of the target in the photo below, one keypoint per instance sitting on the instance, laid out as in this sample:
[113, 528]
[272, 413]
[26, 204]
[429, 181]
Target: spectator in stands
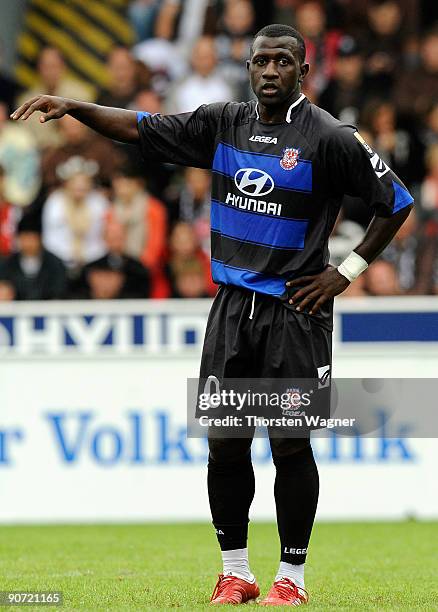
[322, 46]
[145, 221]
[205, 85]
[33, 272]
[193, 204]
[181, 21]
[73, 216]
[53, 80]
[381, 279]
[185, 254]
[116, 275]
[429, 135]
[143, 217]
[345, 93]
[161, 53]
[383, 43]
[20, 160]
[80, 141]
[378, 44]
[147, 100]
[7, 219]
[398, 147]
[233, 45]
[417, 88]
[429, 186]
[7, 293]
[189, 281]
[123, 82]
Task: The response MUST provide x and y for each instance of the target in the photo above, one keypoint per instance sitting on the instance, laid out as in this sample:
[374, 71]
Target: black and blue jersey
[276, 189]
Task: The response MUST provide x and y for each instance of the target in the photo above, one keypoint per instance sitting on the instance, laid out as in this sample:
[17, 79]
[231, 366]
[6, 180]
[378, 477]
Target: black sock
[230, 490]
[296, 497]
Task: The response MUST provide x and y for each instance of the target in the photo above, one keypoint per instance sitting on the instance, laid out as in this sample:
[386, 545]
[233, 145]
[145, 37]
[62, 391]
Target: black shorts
[259, 343]
[277, 342]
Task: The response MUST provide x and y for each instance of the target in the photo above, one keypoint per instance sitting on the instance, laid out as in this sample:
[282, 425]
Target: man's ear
[247, 64]
[304, 69]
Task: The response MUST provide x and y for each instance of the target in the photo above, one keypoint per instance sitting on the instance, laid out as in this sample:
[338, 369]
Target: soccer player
[281, 166]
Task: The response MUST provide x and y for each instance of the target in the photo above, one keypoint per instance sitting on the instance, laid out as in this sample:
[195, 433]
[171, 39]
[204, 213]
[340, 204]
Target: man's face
[204, 58]
[275, 68]
[78, 187]
[51, 67]
[29, 243]
[105, 284]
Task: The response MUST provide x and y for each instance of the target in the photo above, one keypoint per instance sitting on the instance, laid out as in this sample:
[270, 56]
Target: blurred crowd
[84, 217]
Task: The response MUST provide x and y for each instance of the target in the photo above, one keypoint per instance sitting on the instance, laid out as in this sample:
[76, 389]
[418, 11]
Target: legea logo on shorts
[253, 182]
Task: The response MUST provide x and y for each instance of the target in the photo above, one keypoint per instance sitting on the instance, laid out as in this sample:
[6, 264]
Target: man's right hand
[53, 107]
[116, 123]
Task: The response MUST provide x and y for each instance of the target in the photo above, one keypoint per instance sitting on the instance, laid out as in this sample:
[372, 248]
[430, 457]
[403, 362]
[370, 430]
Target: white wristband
[352, 266]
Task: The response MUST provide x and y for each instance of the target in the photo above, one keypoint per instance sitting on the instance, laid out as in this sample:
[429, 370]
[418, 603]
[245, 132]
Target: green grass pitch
[351, 566]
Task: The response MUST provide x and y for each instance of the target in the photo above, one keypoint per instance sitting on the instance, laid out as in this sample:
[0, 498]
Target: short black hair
[30, 222]
[275, 30]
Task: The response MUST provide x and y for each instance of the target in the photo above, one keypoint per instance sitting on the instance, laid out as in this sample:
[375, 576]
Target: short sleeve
[355, 169]
[187, 139]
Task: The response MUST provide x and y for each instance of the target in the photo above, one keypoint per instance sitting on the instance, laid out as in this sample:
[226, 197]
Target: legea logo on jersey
[265, 139]
[253, 182]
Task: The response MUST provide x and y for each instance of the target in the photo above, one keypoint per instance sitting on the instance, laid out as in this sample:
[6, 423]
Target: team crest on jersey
[289, 161]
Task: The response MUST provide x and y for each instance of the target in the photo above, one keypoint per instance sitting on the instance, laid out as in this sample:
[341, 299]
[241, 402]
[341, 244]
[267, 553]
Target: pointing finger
[21, 109]
[38, 105]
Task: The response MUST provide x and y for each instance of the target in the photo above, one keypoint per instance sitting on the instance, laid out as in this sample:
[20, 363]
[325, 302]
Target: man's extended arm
[116, 123]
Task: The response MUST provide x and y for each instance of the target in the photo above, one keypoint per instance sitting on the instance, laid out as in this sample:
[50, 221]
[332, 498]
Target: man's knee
[291, 451]
[226, 451]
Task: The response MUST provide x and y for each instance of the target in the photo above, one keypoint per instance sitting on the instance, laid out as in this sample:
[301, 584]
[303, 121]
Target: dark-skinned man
[281, 166]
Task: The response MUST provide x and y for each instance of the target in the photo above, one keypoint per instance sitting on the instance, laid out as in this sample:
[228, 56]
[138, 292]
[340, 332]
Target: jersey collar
[289, 110]
[292, 106]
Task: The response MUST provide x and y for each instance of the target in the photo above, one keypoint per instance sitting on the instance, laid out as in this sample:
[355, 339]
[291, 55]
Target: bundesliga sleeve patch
[380, 168]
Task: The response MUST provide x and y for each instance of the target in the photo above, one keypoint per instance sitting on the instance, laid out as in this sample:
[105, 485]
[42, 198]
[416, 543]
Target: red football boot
[284, 592]
[233, 590]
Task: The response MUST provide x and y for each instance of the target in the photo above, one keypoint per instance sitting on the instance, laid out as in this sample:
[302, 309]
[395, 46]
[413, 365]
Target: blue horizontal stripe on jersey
[228, 160]
[141, 115]
[248, 279]
[270, 231]
[402, 197]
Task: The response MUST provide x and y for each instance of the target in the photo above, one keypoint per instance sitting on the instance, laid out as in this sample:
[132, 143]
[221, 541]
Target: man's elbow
[407, 209]
[404, 213]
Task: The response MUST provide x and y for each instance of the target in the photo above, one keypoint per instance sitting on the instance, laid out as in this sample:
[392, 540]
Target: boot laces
[287, 589]
[222, 585]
